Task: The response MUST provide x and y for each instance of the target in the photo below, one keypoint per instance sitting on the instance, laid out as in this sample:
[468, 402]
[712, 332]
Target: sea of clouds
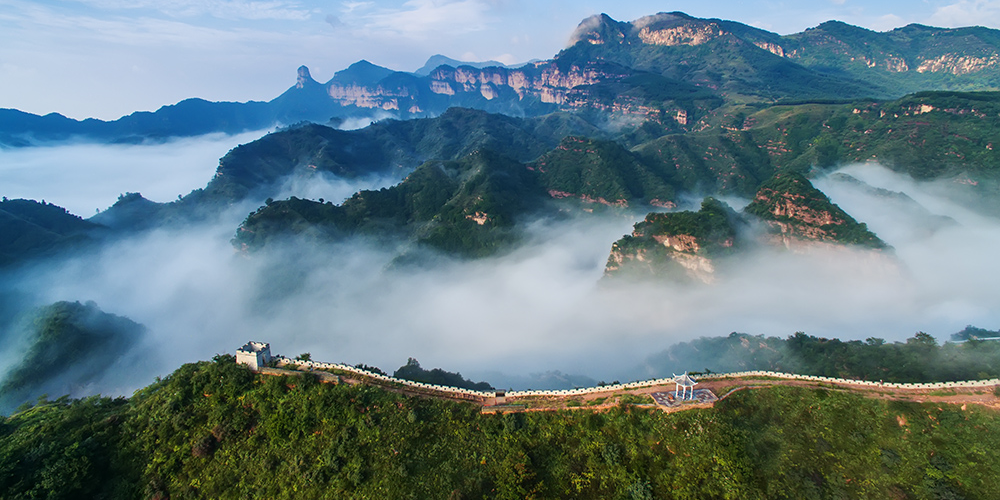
[537, 309]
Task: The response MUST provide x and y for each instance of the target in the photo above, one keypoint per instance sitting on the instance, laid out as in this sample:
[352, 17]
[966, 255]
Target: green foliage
[712, 231]
[789, 197]
[714, 225]
[387, 147]
[215, 430]
[918, 359]
[31, 229]
[971, 332]
[66, 449]
[441, 204]
[66, 340]
[602, 171]
[466, 207]
[731, 62]
[412, 371]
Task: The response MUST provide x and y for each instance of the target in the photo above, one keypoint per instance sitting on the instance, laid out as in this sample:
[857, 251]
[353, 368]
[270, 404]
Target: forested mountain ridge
[31, 229]
[932, 135]
[197, 433]
[794, 210]
[928, 136]
[678, 245]
[69, 345]
[466, 207]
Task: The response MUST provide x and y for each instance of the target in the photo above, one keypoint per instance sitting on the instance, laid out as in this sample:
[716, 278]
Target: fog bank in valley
[85, 177]
[541, 307]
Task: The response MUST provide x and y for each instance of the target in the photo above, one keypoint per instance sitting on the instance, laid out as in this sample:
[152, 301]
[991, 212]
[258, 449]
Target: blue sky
[106, 58]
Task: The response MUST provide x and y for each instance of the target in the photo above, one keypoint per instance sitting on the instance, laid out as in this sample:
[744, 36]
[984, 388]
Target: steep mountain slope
[388, 148]
[466, 207]
[795, 211]
[930, 135]
[69, 345]
[737, 60]
[678, 245]
[603, 172]
[438, 60]
[29, 229]
[668, 68]
[687, 245]
[907, 59]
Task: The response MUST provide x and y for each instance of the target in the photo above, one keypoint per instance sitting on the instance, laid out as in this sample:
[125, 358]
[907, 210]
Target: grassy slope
[744, 146]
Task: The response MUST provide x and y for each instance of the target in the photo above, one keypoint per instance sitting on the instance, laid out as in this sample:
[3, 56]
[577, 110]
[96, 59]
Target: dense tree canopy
[216, 430]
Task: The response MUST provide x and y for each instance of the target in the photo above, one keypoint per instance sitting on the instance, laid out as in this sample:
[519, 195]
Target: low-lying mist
[537, 309]
[85, 177]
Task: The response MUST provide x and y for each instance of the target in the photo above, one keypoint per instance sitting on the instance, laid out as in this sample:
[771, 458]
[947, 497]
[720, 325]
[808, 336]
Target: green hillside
[467, 207]
[68, 344]
[790, 204]
[662, 243]
[600, 171]
[937, 135]
[711, 54]
[931, 135]
[215, 430]
[31, 229]
[903, 60]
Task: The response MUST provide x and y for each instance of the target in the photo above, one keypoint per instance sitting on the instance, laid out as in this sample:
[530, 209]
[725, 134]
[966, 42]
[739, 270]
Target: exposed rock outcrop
[796, 213]
[678, 245]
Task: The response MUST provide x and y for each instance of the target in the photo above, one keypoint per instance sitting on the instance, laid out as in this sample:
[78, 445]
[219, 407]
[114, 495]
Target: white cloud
[350, 7]
[967, 13]
[886, 22]
[85, 177]
[422, 19]
[507, 59]
[222, 9]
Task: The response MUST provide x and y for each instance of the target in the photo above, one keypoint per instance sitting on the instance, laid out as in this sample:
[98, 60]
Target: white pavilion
[684, 386]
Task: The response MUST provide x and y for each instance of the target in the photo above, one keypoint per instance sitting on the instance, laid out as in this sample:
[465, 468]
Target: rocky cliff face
[902, 60]
[678, 245]
[690, 245]
[531, 89]
[797, 213]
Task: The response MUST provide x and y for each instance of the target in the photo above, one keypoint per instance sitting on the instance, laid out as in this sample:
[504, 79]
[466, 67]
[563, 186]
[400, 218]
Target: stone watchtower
[254, 354]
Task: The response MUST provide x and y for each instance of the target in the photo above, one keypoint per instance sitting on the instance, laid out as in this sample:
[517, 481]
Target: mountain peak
[598, 29]
[304, 78]
[361, 73]
[791, 205]
[438, 60]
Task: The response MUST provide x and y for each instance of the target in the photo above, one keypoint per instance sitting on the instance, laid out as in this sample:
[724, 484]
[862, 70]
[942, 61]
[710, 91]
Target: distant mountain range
[669, 68]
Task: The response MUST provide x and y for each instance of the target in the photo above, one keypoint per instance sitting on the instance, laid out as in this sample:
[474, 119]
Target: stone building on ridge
[254, 354]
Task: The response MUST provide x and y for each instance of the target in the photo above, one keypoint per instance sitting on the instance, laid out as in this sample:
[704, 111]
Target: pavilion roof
[684, 380]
